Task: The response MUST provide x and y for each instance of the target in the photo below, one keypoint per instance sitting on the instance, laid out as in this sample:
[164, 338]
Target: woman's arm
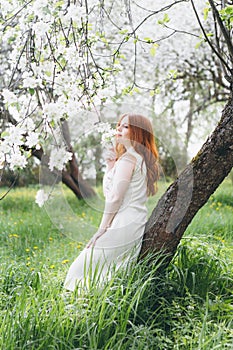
[122, 177]
[110, 158]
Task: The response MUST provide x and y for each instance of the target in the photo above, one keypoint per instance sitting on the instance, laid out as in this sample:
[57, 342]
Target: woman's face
[122, 134]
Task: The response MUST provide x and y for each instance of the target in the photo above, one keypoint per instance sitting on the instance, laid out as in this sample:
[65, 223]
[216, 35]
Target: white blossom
[107, 133]
[13, 110]
[9, 96]
[16, 159]
[6, 7]
[41, 197]
[4, 148]
[28, 124]
[32, 140]
[41, 28]
[58, 158]
[14, 135]
[30, 81]
[75, 13]
[54, 111]
[41, 8]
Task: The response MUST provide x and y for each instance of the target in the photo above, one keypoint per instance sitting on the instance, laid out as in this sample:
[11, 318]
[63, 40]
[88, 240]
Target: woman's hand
[97, 235]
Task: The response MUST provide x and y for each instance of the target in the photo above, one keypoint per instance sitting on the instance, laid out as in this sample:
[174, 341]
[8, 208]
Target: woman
[130, 177]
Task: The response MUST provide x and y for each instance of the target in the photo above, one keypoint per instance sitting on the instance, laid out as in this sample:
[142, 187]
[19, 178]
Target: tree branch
[208, 40]
[156, 12]
[223, 29]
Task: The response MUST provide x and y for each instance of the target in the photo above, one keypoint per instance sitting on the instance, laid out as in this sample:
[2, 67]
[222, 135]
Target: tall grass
[188, 306]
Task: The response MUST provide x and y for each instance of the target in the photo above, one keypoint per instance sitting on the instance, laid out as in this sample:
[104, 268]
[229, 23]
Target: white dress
[121, 242]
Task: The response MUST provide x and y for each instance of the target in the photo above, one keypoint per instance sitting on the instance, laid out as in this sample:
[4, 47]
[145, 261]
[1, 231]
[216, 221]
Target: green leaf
[206, 12]
[198, 44]
[123, 31]
[229, 9]
[155, 92]
[52, 123]
[27, 154]
[165, 19]
[104, 40]
[126, 90]
[136, 89]
[48, 73]
[121, 56]
[153, 49]
[4, 134]
[59, 3]
[148, 40]
[172, 73]
[227, 16]
[89, 26]
[31, 91]
[152, 93]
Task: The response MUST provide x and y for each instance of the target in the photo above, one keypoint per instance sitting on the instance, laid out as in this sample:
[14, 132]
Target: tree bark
[191, 190]
[71, 177]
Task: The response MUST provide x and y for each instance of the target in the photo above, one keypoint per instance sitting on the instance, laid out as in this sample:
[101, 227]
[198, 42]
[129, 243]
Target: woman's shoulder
[133, 153]
[128, 156]
[134, 157]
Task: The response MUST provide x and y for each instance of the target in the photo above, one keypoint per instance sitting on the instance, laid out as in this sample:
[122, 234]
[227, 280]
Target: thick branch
[72, 179]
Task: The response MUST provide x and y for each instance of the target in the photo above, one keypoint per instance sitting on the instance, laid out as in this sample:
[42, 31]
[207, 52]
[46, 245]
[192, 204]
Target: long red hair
[143, 141]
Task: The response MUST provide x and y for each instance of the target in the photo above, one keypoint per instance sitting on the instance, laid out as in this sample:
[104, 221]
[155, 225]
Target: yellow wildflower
[65, 261]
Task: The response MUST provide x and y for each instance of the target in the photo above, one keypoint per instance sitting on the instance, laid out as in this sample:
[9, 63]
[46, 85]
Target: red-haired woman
[130, 178]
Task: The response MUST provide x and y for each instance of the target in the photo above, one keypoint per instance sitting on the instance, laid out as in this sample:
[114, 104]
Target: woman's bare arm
[122, 177]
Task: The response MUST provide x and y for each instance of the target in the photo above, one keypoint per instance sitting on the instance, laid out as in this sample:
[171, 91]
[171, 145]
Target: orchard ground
[189, 306]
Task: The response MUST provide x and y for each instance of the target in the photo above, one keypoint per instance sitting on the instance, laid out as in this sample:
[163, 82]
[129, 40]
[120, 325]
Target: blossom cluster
[11, 146]
[107, 133]
[58, 158]
[46, 76]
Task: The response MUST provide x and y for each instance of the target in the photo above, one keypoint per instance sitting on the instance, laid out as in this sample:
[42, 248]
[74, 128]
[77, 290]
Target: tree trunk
[70, 177]
[74, 174]
[191, 190]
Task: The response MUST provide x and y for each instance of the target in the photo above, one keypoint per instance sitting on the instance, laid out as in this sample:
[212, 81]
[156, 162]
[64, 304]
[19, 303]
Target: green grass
[188, 307]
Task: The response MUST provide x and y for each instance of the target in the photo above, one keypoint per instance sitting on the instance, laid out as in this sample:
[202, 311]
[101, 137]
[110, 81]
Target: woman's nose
[118, 128]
